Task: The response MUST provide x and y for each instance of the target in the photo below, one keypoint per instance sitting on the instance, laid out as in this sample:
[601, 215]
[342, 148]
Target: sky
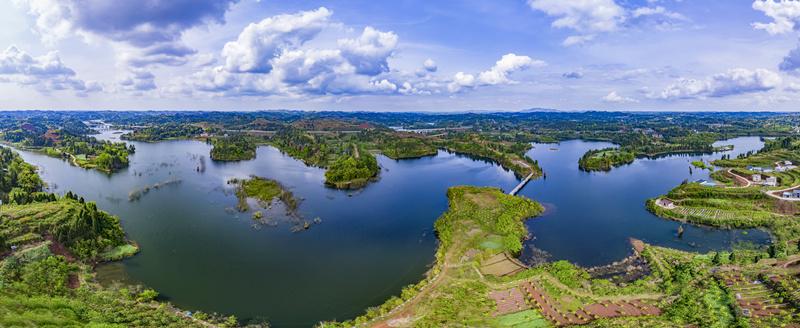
[401, 55]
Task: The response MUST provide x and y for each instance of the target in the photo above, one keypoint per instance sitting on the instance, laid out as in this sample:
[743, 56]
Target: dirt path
[739, 178]
[772, 193]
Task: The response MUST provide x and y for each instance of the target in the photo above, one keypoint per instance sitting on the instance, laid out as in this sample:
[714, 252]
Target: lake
[202, 255]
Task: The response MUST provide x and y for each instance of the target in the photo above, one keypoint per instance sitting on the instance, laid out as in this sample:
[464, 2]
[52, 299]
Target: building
[781, 168]
[787, 163]
[771, 181]
[796, 193]
[666, 203]
[787, 194]
[756, 178]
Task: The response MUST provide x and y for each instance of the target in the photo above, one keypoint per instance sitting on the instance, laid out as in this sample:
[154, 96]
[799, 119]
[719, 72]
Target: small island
[605, 159]
[264, 190]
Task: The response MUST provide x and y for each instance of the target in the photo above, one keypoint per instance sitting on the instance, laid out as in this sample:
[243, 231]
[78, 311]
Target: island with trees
[605, 159]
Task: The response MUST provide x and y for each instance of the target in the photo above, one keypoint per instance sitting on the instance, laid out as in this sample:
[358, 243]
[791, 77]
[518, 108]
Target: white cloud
[791, 63]
[792, 87]
[613, 97]
[46, 73]
[733, 82]
[784, 14]
[587, 17]
[592, 17]
[656, 11]
[138, 81]
[430, 65]
[461, 80]
[370, 51]
[272, 58]
[260, 42]
[508, 64]
[497, 74]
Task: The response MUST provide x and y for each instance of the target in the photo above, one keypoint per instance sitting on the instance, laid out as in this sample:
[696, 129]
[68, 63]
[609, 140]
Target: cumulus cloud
[497, 74]
[792, 87]
[271, 58]
[791, 63]
[144, 33]
[733, 82]
[587, 17]
[260, 42]
[508, 64]
[370, 51]
[592, 17]
[430, 65]
[138, 80]
[784, 14]
[613, 97]
[656, 11]
[572, 75]
[137, 23]
[46, 73]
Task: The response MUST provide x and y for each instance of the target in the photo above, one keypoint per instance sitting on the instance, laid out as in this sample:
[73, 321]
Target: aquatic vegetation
[265, 191]
[137, 194]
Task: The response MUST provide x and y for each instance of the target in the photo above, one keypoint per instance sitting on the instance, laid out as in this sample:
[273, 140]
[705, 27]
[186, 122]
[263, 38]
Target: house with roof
[787, 163]
[787, 194]
[756, 178]
[796, 193]
[771, 181]
[666, 203]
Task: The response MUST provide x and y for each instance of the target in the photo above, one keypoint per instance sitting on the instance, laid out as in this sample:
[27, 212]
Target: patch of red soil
[59, 249]
[73, 282]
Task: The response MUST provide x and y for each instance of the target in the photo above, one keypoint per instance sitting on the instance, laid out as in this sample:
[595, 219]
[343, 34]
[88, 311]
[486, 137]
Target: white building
[771, 181]
[756, 178]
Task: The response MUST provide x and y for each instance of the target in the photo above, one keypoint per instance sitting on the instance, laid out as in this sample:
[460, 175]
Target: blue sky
[400, 55]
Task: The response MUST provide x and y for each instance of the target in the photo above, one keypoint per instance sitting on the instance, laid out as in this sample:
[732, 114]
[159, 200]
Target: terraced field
[562, 313]
[755, 301]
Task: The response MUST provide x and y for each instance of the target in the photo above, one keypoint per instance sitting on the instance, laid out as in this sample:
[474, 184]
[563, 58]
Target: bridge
[522, 184]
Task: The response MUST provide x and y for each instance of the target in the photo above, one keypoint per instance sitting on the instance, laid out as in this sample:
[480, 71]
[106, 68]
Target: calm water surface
[202, 256]
[590, 216]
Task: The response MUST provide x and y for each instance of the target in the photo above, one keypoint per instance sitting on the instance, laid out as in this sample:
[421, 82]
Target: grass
[264, 190]
[119, 252]
[701, 165]
[523, 319]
